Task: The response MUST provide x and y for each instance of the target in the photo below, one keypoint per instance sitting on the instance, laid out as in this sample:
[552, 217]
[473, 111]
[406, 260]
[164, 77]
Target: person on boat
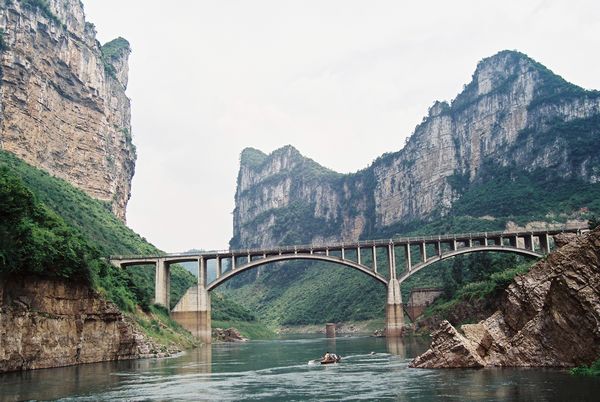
[327, 357]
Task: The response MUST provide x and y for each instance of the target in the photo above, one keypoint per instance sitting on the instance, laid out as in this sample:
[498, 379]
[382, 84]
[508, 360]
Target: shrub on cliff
[34, 240]
[594, 222]
[593, 369]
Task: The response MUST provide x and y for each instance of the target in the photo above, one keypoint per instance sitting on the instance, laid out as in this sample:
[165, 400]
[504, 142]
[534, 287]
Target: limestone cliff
[51, 324]
[515, 113]
[548, 317]
[63, 106]
[287, 198]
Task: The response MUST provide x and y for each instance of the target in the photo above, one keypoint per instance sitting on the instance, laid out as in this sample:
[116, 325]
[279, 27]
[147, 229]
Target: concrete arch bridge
[403, 257]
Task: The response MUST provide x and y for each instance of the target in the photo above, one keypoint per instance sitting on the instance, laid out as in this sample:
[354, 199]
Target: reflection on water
[371, 369]
[396, 347]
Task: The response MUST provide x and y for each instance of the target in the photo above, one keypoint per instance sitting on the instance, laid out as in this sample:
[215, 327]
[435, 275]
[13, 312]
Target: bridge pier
[162, 283]
[193, 310]
[193, 313]
[394, 310]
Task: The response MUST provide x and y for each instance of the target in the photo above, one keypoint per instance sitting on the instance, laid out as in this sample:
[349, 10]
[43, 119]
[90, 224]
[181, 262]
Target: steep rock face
[279, 194]
[63, 106]
[515, 113]
[548, 317]
[52, 324]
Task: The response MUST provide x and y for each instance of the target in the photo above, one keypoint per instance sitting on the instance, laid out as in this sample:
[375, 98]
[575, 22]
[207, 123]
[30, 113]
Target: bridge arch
[502, 249]
[300, 256]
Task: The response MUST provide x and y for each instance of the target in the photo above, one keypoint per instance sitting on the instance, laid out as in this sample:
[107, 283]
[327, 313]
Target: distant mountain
[518, 146]
[516, 120]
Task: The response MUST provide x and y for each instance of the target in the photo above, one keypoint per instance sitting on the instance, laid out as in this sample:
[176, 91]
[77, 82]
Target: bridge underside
[290, 257]
[450, 254]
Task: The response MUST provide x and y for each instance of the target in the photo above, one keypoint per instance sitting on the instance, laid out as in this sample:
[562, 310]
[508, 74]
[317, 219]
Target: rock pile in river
[549, 316]
[227, 335]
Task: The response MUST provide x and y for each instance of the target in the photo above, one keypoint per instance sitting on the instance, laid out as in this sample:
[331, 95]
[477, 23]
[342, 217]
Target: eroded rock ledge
[548, 317]
[51, 324]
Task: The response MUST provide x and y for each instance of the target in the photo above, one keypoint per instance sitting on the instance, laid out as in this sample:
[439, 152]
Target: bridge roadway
[193, 310]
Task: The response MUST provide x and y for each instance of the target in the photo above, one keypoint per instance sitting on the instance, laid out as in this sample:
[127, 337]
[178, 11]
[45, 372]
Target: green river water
[279, 370]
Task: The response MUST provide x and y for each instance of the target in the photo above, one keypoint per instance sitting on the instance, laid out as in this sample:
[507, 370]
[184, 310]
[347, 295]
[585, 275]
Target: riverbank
[51, 323]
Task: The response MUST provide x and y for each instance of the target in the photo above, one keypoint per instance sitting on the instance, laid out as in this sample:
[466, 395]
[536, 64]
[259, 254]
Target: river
[279, 370]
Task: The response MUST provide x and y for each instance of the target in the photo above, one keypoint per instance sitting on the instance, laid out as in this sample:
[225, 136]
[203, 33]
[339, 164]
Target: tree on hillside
[594, 222]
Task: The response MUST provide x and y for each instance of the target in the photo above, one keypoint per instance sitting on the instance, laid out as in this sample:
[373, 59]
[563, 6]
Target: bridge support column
[193, 313]
[407, 257]
[375, 259]
[219, 267]
[545, 243]
[423, 250]
[529, 242]
[394, 311]
[162, 282]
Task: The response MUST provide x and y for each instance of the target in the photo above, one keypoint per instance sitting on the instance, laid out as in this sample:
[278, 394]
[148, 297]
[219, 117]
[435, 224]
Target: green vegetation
[300, 293]
[592, 370]
[98, 232]
[490, 286]
[111, 51]
[224, 309]
[36, 241]
[250, 330]
[252, 158]
[523, 196]
[3, 45]
[51, 229]
[157, 324]
[594, 222]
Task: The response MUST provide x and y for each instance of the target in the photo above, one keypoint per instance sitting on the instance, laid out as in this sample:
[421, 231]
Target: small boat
[331, 358]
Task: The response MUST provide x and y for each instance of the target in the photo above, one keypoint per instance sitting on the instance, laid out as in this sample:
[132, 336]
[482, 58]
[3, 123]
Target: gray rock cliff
[63, 106]
[515, 113]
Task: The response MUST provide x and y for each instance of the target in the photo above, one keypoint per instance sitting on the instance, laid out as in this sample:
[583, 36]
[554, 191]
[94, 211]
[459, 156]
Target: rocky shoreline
[548, 317]
[48, 323]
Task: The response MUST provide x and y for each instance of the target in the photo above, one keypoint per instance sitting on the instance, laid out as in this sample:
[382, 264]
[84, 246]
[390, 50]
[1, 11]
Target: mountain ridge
[514, 113]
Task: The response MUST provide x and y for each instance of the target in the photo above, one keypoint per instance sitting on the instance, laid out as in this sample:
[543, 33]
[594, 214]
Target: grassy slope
[94, 222]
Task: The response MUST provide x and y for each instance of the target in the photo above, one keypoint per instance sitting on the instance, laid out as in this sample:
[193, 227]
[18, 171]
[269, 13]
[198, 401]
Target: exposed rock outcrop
[51, 324]
[227, 335]
[548, 317]
[514, 113]
[463, 311]
[63, 106]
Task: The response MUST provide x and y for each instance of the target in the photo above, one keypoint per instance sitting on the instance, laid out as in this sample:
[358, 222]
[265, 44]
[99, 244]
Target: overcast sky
[343, 81]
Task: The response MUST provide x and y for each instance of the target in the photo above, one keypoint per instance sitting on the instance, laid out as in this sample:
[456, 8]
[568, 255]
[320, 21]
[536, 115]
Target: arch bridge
[402, 258]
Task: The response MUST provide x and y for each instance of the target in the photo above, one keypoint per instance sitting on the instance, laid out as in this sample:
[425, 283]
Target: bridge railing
[352, 245]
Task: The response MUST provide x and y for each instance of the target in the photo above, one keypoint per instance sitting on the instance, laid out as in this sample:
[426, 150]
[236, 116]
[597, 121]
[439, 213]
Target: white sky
[343, 81]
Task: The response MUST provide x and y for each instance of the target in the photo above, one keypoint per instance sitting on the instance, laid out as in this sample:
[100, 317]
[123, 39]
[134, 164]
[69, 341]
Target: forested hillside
[51, 229]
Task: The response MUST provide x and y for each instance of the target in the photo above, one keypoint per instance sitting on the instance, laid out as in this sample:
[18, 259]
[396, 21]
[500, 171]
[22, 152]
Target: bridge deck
[324, 248]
